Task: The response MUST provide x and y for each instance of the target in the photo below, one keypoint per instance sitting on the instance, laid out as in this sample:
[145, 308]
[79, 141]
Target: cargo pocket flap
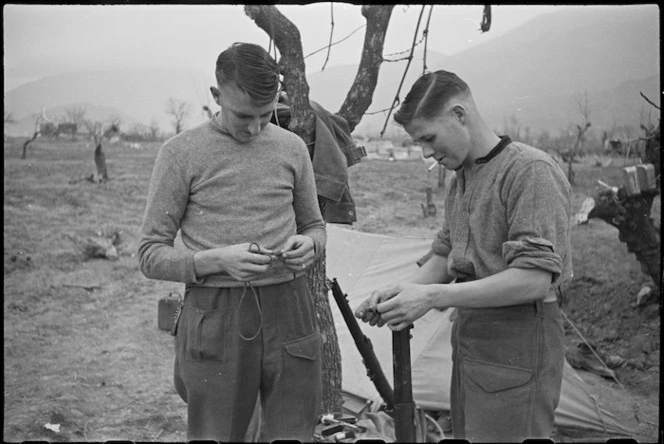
[307, 347]
[495, 377]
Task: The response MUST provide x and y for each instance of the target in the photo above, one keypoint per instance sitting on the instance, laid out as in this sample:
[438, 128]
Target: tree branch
[335, 43]
[360, 95]
[648, 100]
[329, 46]
[426, 41]
[486, 19]
[410, 58]
[287, 39]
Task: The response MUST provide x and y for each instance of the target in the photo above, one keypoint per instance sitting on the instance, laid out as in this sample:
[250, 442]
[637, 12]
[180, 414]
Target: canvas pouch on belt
[168, 309]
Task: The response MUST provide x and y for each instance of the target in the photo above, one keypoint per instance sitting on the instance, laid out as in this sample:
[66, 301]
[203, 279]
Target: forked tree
[38, 119]
[98, 132]
[179, 110]
[286, 38]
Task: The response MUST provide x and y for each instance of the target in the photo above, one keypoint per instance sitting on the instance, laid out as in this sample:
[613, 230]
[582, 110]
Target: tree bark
[287, 39]
[25, 145]
[302, 122]
[360, 95]
[631, 216]
[100, 163]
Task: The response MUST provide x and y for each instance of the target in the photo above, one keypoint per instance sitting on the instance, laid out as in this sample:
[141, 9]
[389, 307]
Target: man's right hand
[367, 310]
[240, 261]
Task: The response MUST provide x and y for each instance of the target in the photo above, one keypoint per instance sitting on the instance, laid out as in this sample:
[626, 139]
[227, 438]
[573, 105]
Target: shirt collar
[504, 141]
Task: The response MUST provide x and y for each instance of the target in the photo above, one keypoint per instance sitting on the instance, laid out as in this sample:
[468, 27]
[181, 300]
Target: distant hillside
[533, 73]
[140, 93]
[26, 125]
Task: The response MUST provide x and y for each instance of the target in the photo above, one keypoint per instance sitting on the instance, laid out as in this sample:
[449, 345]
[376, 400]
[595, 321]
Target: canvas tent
[363, 262]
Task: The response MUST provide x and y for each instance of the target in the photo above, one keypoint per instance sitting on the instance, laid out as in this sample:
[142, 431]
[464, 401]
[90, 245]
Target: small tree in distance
[38, 120]
[179, 110]
[75, 115]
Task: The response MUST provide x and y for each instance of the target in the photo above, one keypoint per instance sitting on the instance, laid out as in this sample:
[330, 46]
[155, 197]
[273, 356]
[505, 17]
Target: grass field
[82, 349]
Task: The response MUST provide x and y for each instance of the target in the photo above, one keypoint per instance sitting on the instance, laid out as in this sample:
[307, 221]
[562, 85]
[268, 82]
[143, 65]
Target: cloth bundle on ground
[364, 262]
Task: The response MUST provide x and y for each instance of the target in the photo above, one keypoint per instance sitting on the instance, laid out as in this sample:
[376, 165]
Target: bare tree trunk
[631, 216]
[286, 37]
[25, 145]
[100, 162]
[360, 95]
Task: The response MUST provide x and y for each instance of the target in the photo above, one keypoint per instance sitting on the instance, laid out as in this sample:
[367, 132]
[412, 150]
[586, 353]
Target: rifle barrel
[404, 407]
[374, 370]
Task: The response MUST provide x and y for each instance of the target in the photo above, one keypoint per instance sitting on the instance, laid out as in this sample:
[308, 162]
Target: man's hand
[410, 304]
[397, 306]
[367, 310]
[298, 252]
[240, 261]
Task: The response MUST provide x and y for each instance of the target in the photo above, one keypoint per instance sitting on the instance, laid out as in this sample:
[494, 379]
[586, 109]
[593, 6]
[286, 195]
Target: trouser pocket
[202, 334]
[498, 400]
[302, 364]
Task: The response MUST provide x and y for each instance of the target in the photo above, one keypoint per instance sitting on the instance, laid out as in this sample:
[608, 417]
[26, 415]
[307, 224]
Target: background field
[81, 343]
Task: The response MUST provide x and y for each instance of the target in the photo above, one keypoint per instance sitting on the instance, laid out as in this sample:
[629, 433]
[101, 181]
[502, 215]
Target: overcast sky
[41, 40]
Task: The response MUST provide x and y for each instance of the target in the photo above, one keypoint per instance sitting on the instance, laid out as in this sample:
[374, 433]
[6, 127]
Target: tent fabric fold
[364, 262]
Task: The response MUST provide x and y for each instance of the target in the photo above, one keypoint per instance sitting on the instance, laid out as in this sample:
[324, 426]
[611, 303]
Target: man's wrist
[203, 264]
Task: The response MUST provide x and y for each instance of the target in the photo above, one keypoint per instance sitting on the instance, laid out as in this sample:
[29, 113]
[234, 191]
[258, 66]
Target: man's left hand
[298, 252]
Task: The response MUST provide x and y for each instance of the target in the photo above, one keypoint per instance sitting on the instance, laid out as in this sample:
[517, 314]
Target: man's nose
[427, 151]
[254, 127]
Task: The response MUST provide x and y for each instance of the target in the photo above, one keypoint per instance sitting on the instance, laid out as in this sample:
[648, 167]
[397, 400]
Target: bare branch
[486, 19]
[412, 50]
[360, 94]
[648, 100]
[329, 46]
[425, 34]
[335, 43]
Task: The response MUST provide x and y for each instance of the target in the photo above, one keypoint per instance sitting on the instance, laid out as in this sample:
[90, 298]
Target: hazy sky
[41, 40]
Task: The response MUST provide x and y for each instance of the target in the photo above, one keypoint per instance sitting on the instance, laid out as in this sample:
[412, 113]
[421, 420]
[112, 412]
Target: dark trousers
[233, 344]
[507, 372]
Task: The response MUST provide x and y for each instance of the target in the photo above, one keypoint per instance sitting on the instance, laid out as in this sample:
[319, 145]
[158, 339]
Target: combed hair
[252, 69]
[428, 95]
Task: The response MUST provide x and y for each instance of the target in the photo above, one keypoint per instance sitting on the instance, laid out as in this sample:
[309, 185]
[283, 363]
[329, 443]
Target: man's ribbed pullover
[514, 213]
[220, 192]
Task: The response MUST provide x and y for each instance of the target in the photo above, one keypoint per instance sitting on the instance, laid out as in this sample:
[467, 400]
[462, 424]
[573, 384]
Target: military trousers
[507, 372]
[235, 345]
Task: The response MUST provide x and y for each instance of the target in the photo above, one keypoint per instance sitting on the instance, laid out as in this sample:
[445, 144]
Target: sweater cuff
[533, 252]
[190, 270]
[319, 236]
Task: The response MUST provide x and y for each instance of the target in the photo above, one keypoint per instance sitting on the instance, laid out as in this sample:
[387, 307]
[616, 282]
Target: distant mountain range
[532, 75]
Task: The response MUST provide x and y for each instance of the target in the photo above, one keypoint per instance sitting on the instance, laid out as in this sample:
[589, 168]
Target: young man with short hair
[505, 244]
[241, 191]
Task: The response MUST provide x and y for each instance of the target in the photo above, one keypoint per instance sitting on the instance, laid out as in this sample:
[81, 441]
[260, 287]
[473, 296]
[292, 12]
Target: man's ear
[216, 95]
[459, 112]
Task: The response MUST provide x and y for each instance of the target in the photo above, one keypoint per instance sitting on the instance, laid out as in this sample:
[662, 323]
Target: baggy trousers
[507, 369]
[234, 343]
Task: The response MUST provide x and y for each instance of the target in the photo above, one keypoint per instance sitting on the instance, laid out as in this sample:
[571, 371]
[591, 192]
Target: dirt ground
[85, 361]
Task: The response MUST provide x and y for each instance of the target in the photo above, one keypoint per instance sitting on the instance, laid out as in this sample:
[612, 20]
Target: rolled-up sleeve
[538, 210]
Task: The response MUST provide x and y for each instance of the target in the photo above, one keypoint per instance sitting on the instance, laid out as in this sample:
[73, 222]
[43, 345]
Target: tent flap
[364, 262]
